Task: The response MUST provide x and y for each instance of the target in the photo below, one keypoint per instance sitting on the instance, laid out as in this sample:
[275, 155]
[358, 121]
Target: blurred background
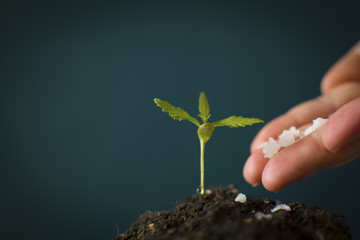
[84, 149]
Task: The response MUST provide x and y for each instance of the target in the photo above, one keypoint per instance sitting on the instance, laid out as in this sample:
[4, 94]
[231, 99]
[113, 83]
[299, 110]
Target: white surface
[260, 215]
[241, 198]
[271, 147]
[281, 207]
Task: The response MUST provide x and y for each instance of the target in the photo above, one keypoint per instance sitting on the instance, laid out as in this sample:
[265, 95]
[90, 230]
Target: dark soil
[218, 216]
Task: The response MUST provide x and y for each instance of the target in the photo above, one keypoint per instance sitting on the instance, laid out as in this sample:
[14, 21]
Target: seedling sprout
[205, 129]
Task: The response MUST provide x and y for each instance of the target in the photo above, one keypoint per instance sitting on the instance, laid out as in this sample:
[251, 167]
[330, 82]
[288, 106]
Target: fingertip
[269, 183]
[342, 126]
[253, 168]
[249, 171]
[271, 178]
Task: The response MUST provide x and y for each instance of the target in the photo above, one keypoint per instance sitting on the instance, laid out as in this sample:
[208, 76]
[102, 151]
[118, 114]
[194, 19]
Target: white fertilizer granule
[270, 148]
[295, 131]
[288, 137]
[281, 207]
[260, 215]
[240, 198]
[316, 124]
[208, 191]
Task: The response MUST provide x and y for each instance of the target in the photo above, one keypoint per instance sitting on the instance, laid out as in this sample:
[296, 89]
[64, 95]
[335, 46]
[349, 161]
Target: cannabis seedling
[206, 129]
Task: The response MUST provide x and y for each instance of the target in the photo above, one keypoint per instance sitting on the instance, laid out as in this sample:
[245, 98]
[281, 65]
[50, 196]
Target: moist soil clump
[216, 215]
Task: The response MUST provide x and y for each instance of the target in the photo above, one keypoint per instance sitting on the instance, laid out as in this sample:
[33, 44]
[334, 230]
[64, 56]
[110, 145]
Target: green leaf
[234, 121]
[204, 108]
[175, 112]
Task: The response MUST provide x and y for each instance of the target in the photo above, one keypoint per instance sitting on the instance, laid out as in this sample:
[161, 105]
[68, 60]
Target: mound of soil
[216, 215]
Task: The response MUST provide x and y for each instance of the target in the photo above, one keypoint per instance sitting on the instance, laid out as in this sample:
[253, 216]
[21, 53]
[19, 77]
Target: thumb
[342, 127]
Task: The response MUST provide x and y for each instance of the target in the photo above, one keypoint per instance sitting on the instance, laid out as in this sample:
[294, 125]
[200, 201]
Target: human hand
[336, 143]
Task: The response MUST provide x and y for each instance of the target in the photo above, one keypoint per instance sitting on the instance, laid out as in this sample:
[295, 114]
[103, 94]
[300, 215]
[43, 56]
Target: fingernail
[255, 184]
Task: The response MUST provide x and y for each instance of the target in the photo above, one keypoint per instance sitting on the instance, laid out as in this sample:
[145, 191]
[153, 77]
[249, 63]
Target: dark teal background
[83, 148]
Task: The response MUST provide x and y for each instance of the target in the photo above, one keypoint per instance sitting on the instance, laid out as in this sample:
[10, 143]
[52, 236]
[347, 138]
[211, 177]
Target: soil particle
[217, 215]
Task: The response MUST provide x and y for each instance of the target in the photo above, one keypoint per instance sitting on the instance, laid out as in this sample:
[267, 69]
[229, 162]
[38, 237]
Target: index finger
[304, 113]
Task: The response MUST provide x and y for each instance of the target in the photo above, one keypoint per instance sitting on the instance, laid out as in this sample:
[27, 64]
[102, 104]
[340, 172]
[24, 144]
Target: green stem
[202, 149]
